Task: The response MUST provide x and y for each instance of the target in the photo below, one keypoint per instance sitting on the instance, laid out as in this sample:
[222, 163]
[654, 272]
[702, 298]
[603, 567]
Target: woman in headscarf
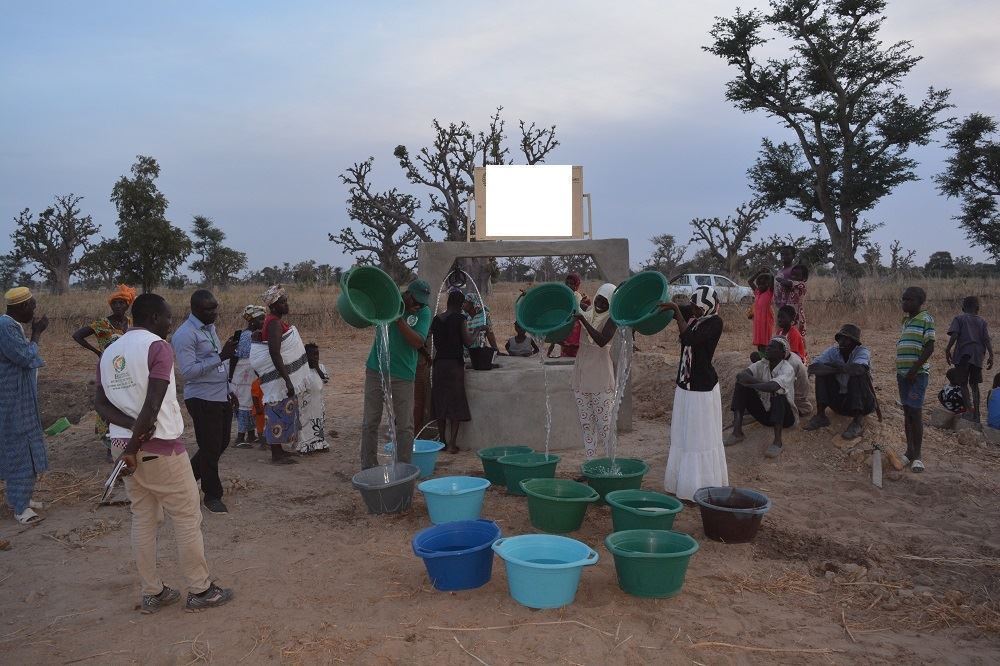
[697, 457]
[480, 324]
[280, 362]
[450, 332]
[105, 331]
[241, 375]
[594, 372]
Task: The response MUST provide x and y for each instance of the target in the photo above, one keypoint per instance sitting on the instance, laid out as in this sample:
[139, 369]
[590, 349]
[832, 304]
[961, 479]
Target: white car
[728, 291]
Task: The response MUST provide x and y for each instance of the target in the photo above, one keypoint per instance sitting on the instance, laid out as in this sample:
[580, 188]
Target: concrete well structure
[508, 403]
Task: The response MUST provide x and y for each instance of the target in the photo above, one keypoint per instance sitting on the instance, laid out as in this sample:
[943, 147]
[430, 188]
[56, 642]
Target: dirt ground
[841, 572]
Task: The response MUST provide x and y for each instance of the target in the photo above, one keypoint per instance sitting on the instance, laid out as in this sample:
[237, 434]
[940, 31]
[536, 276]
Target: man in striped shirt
[913, 350]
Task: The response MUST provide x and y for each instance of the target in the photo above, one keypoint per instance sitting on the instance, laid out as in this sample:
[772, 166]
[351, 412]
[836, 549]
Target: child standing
[763, 316]
[968, 345]
[913, 350]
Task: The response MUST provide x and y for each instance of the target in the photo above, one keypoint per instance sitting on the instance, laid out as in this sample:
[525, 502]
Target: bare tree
[726, 238]
[667, 254]
[51, 240]
[900, 260]
[389, 229]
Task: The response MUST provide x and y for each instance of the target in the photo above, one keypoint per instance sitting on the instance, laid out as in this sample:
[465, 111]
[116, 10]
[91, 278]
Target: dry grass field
[841, 573]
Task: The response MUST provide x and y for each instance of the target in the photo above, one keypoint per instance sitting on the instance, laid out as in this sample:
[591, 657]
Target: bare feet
[452, 449]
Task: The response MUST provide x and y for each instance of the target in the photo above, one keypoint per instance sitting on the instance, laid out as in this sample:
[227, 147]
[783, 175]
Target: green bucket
[59, 426]
[557, 505]
[492, 469]
[605, 475]
[636, 303]
[547, 311]
[520, 466]
[368, 297]
[642, 510]
[651, 563]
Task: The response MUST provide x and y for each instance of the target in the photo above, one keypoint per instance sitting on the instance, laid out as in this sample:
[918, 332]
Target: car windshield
[723, 282]
[703, 279]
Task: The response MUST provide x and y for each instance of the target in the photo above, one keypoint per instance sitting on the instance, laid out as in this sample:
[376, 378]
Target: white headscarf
[595, 318]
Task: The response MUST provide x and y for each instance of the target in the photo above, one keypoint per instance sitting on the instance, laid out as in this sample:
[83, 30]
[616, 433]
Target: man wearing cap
[22, 444]
[843, 382]
[406, 337]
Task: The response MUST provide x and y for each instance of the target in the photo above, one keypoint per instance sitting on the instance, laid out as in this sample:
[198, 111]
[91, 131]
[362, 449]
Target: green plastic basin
[492, 469]
[547, 311]
[557, 505]
[642, 510]
[368, 297]
[651, 563]
[636, 302]
[521, 466]
[606, 475]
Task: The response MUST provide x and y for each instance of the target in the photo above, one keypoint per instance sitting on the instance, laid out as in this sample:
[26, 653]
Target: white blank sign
[520, 201]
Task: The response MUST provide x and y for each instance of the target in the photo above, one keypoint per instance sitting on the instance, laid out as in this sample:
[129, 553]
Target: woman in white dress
[697, 457]
[594, 372]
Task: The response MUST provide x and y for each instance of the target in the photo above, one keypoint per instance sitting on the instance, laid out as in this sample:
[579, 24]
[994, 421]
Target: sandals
[733, 440]
[29, 517]
[816, 422]
[773, 451]
[917, 467]
[853, 431]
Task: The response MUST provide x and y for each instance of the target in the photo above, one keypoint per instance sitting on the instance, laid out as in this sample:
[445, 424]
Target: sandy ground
[841, 572]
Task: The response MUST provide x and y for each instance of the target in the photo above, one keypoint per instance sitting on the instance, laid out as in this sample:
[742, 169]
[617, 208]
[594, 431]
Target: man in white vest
[137, 397]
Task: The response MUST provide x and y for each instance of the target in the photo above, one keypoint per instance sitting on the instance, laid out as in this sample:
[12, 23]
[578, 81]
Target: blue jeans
[912, 394]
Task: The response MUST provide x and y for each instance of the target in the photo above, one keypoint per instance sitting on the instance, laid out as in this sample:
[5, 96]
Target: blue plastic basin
[457, 555]
[425, 454]
[543, 570]
[451, 498]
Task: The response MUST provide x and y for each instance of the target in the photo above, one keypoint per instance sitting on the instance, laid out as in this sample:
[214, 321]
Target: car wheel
[746, 300]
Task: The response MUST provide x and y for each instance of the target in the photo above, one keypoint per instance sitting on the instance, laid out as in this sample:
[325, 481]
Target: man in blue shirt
[843, 382]
[203, 361]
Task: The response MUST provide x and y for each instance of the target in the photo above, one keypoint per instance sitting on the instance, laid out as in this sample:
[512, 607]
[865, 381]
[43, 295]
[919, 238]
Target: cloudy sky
[254, 108]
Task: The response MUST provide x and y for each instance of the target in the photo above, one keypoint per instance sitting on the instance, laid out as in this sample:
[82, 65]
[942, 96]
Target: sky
[253, 109]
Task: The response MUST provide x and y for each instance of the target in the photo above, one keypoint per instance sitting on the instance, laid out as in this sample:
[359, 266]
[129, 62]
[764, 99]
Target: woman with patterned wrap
[105, 331]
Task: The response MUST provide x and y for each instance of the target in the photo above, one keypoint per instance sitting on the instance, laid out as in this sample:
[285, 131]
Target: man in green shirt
[406, 337]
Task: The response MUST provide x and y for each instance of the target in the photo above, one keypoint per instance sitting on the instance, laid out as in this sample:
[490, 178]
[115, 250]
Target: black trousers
[858, 401]
[213, 422]
[746, 399]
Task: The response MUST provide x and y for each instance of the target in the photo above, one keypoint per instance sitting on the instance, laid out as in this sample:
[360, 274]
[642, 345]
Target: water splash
[622, 371]
[540, 343]
[382, 345]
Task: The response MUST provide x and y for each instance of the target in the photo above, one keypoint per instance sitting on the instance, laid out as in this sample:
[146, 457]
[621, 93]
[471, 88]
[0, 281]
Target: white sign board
[520, 201]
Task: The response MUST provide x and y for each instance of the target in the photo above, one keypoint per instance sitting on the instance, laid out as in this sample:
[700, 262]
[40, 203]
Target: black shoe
[210, 598]
[216, 506]
[152, 603]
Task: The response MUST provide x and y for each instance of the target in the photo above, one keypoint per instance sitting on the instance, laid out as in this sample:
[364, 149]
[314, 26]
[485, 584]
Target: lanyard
[211, 340]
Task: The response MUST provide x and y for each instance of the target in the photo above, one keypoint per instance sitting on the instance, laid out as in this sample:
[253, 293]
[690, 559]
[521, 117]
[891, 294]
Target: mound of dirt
[654, 379]
[64, 397]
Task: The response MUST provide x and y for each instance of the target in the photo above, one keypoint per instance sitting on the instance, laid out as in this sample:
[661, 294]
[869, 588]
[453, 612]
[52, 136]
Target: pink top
[161, 365]
[763, 317]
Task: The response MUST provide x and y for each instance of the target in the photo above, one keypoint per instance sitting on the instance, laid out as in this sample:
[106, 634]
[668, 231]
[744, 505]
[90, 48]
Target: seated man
[843, 383]
[767, 391]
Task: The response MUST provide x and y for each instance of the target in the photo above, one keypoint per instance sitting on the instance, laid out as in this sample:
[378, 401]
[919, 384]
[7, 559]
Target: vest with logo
[125, 379]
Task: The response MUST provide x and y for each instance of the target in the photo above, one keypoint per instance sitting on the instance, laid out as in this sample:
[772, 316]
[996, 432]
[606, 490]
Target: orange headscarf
[122, 293]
